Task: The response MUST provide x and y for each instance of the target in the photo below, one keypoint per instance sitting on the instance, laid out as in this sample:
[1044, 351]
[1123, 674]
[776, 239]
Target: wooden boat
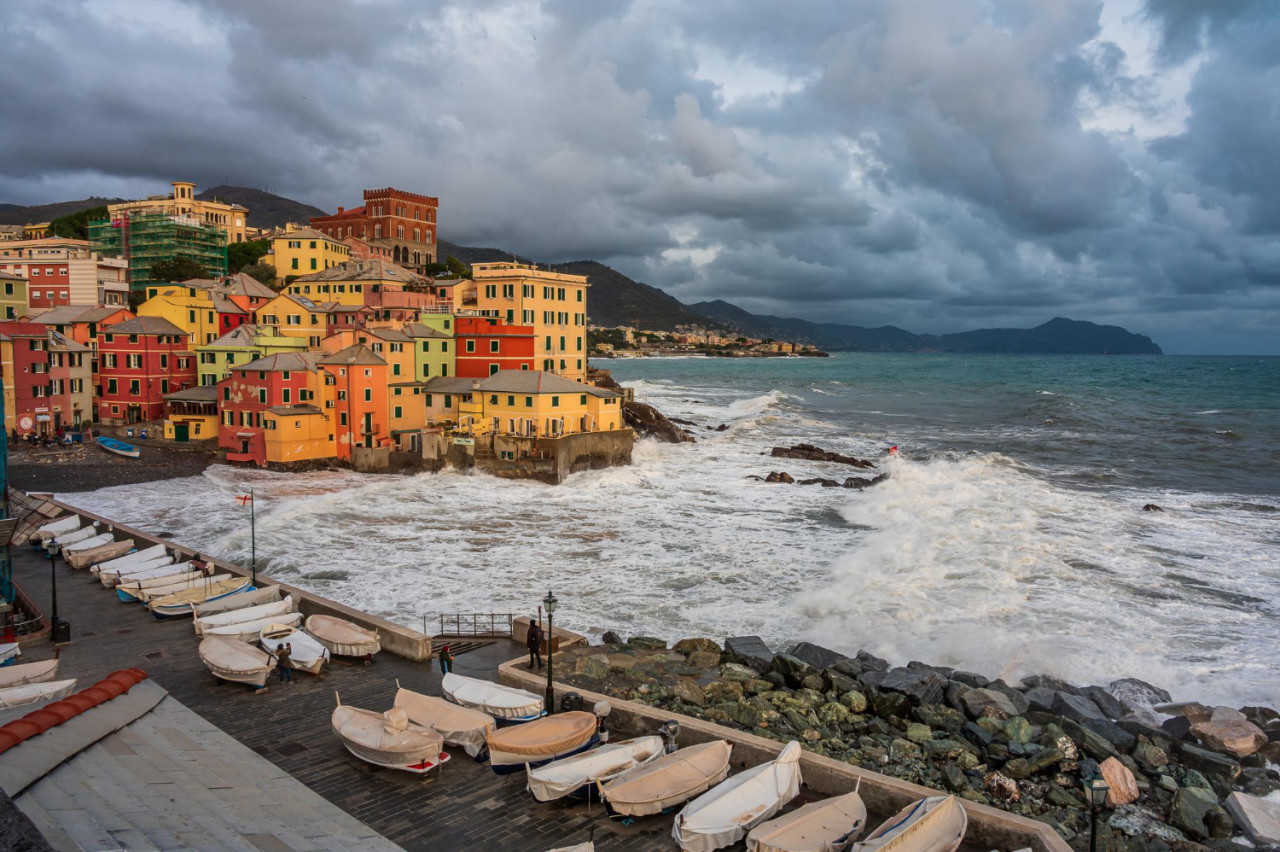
[935, 824]
[307, 655]
[110, 550]
[826, 826]
[30, 693]
[724, 814]
[388, 739]
[577, 776]
[196, 581]
[84, 542]
[503, 703]
[113, 565]
[78, 534]
[238, 616]
[460, 726]
[343, 638]
[669, 780]
[173, 578]
[179, 604]
[251, 631]
[55, 528]
[541, 741]
[137, 571]
[244, 600]
[120, 448]
[19, 675]
[236, 661]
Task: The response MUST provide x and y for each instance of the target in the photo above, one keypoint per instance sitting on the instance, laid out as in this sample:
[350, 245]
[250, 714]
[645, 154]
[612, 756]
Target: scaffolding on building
[147, 237]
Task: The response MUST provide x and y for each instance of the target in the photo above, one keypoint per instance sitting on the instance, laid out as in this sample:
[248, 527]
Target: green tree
[457, 267]
[264, 273]
[240, 255]
[75, 226]
[177, 269]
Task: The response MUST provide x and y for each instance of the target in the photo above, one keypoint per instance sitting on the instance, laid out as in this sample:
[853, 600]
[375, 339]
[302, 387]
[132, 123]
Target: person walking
[283, 656]
[534, 641]
[446, 660]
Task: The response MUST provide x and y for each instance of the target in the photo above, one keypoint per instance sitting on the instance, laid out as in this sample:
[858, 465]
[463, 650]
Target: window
[579, 344]
[284, 374]
[471, 346]
[395, 369]
[428, 400]
[226, 393]
[444, 344]
[511, 401]
[555, 402]
[582, 400]
[579, 295]
[548, 346]
[399, 412]
[448, 401]
[528, 402]
[111, 386]
[135, 388]
[493, 346]
[285, 396]
[342, 418]
[493, 368]
[368, 394]
[262, 395]
[164, 362]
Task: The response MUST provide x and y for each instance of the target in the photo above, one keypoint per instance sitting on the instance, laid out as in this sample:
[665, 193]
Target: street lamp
[549, 603]
[59, 630]
[1095, 789]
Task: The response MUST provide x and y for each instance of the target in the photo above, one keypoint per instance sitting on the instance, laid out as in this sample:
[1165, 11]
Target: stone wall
[547, 460]
[370, 459]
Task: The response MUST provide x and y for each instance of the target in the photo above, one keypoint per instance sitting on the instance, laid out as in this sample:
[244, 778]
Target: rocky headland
[1183, 776]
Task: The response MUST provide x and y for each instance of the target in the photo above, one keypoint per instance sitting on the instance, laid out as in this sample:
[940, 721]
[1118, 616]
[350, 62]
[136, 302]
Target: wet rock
[854, 700]
[1271, 751]
[778, 681]
[749, 651]
[872, 662]
[1017, 769]
[863, 481]
[1091, 743]
[1110, 706]
[946, 749]
[1233, 736]
[1050, 683]
[595, 666]
[1156, 735]
[611, 638]
[1257, 782]
[939, 716]
[719, 691]
[1196, 813]
[812, 453]
[756, 686]
[813, 682]
[811, 697]
[1113, 733]
[647, 421]
[1260, 716]
[738, 672]
[703, 659]
[1139, 693]
[977, 734]
[1259, 819]
[1077, 708]
[977, 700]
[954, 779]
[816, 656]
[1150, 757]
[832, 714]
[954, 695]
[1123, 786]
[647, 643]
[1018, 730]
[1040, 698]
[1001, 787]
[838, 681]
[918, 733]
[1044, 760]
[871, 678]
[920, 685]
[1192, 710]
[780, 476]
[1152, 507]
[1208, 762]
[688, 646]
[1016, 698]
[889, 705]
[1177, 727]
[793, 669]
[970, 679]
[689, 692]
[1226, 714]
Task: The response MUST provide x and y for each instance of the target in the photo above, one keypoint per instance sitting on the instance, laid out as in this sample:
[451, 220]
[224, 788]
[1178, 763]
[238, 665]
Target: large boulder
[939, 717]
[1123, 786]
[1259, 819]
[1040, 698]
[688, 646]
[793, 669]
[871, 661]
[719, 691]
[837, 681]
[978, 700]
[1048, 682]
[1196, 813]
[689, 692]
[922, 686]
[1020, 704]
[888, 705]
[973, 680]
[1112, 733]
[703, 659]
[738, 672]
[1209, 763]
[1077, 708]
[749, 651]
[815, 655]
[1138, 693]
[1091, 743]
[1231, 736]
[647, 643]
[1110, 706]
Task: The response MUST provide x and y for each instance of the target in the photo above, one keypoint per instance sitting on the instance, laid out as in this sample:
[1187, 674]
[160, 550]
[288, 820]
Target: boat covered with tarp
[343, 638]
[79, 534]
[669, 780]
[935, 824]
[236, 616]
[244, 600]
[53, 529]
[388, 739]
[30, 693]
[251, 631]
[236, 661]
[87, 543]
[504, 703]
[114, 565]
[541, 741]
[306, 654]
[724, 814]
[138, 571]
[460, 726]
[576, 776]
[174, 578]
[110, 550]
[180, 603]
[24, 673]
[829, 825]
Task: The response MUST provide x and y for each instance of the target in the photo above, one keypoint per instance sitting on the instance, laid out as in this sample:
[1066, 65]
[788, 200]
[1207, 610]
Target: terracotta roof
[282, 361]
[354, 356]
[538, 381]
[145, 325]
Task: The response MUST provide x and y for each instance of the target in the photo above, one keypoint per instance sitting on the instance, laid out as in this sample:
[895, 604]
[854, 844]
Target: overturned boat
[175, 578]
[238, 616]
[133, 571]
[62, 540]
[576, 776]
[830, 825]
[25, 673]
[251, 631]
[110, 550]
[144, 555]
[541, 741]
[724, 814]
[388, 739]
[235, 661]
[82, 545]
[343, 638]
[306, 654]
[935, 824]
[668, 781]
[244, 600]
[460, 726]
[53, 529]
[180, 603]
[504, 703]
[30, 693]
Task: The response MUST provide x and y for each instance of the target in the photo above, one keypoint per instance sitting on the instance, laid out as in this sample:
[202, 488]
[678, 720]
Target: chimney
[341, 209]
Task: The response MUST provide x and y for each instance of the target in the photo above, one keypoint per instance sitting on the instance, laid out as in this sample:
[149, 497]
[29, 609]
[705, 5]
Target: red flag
[245, 499]
[893, 450]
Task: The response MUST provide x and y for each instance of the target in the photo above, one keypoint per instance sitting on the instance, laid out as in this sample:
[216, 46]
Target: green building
[246, 343]
[147, 237]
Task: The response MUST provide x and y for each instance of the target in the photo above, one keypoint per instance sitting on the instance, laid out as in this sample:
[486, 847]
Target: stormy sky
[933, 164]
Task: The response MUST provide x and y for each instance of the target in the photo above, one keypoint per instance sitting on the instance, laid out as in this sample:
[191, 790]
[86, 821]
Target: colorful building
[358, 378]
[302, 251]
[244, 344]
[63, 271]
[275, 410]
[554, 303]
[47, 380]
[198, 308]
[140, 361]
[402, 222]
[13, 301]
[230, 219]
[523, 403]
[296, 316]
[433, 346]
[147, 237]
[487, 345]
[191, 414]
[358, 283]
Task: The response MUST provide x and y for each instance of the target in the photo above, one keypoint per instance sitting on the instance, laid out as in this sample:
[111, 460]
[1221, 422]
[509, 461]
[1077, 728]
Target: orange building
[357, 379]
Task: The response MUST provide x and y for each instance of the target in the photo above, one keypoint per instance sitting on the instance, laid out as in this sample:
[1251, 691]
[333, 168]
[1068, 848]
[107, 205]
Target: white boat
[669, 780]
[53, 529]
[306, 654]
[343, 638]
[79, 534]
[20, 696]
[935, 824]
[724, 814]
[460, 726]
[181, 603]
[145, 555]
[137, 571]
[830, 825]
[236, 661]
[86, 543]
[251, 631]
[244, 600]
[504, 703]
[110, 550]
[238, 616]
[19, 675]
[388, 739]
[177, 576]
[575, 776]
[581, 847]
[9, 651]
[541, 741]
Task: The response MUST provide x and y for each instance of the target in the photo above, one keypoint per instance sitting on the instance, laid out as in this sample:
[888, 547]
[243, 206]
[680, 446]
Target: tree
[75, 226]
[240, 255]
[457, 267]
[263, 273]
[177, 269]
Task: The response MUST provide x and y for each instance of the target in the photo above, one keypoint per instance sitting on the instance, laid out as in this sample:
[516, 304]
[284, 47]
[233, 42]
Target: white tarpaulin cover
[233, 660]
[133, 571]
[25, 673]
[387, 739]
[107, 550]
[119, 562]
[669, 780]
[502, 702]
[249, 631]
[936, 824]
[80, 534]
[724, 814]
[826, 826]
[179, 573]
[459, 725]
[342, 637]
[236, 616]
[18, 696]
[181, 603]
[581, 847]
[306, 654]
[88, 543]
[240, 601]
[561, 777]
[53, 529]
[541, 739]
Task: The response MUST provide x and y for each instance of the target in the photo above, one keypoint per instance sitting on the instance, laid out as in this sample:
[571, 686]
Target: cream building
[554, 303]
[231, 218]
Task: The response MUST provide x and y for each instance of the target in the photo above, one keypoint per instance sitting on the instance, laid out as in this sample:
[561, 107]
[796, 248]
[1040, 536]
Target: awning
[43, 418]
[246, 434]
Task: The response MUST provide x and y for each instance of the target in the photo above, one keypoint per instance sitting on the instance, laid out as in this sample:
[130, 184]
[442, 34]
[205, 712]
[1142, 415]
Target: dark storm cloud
[935, 164]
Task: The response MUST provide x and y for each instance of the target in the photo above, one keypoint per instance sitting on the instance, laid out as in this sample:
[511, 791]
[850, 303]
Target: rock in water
[1236, 737]
[1258, 818]
[1124, 787]
[611, 638]
[649, 422]
[647, 643]
[1130, 690]
[1110, 706]
[816, 655]
[1152, 507]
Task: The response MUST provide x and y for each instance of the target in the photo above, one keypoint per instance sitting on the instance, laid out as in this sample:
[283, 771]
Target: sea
[1009, 539]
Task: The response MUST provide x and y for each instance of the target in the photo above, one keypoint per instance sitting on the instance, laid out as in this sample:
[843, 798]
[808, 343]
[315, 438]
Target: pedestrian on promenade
[534, 641]
[283, 654]
[446, 660]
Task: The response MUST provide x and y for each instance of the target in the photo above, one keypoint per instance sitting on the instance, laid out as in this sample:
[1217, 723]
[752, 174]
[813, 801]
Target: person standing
[534, 641]
[285, 663]
[446, 660]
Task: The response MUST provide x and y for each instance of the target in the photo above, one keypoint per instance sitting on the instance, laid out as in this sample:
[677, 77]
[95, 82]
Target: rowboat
[504, 703]
[30, 693]
[55, 528]
[180, 603]
[25, 673]
[388, 739]
[236, 661]
[114, 566]
[460, 726]
[343, 638]
[196, 581]
[173, 578]
[306, 654]
[238, 616]
[576, 776]
[826, 826]
[251, 631]
[935, 824]
[9, 651]
[67, 539]
[541, 741]
[244, 600]
[137, 571]
[724, 814]
[109, 550]
[120, 448]
[669, 780]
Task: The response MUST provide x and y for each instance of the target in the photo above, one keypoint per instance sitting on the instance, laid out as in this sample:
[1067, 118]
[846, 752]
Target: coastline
[90, 468]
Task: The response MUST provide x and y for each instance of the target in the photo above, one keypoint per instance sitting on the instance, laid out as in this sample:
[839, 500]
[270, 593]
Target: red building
[139, 361]
[402, 222]
[486, 345]
[287, 379]
[49, 286]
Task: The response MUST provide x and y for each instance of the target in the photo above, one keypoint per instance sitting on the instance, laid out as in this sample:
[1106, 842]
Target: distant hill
[16, 214]
[266, 210]
[886, 338]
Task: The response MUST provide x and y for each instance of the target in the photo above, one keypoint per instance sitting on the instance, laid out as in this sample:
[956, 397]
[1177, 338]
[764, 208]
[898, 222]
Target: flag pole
[253, 539]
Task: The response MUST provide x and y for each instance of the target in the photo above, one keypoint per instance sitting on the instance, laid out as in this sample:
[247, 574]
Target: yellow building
[13, 296]
[302, 251]
[203, 313]
[191, 414]
[231, 218]
[354, 281]
[554, 303]
[523, 403]
[249, 342]
[295, 316]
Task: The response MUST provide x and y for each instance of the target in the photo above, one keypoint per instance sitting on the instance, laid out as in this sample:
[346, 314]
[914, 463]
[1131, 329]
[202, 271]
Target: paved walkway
[468, 807]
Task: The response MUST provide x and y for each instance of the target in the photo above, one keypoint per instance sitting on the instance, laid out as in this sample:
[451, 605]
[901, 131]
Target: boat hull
[505, 763]
[119, 448]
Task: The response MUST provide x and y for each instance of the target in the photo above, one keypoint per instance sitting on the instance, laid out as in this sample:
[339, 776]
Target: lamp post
[59, 630]
[550, 602]
[1096, 790]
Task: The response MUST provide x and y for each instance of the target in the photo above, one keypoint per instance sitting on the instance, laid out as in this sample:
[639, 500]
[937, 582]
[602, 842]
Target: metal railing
[476, 624]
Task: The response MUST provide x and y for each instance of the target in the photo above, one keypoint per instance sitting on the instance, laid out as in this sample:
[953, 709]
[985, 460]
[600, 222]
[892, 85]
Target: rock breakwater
[1182, 777]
